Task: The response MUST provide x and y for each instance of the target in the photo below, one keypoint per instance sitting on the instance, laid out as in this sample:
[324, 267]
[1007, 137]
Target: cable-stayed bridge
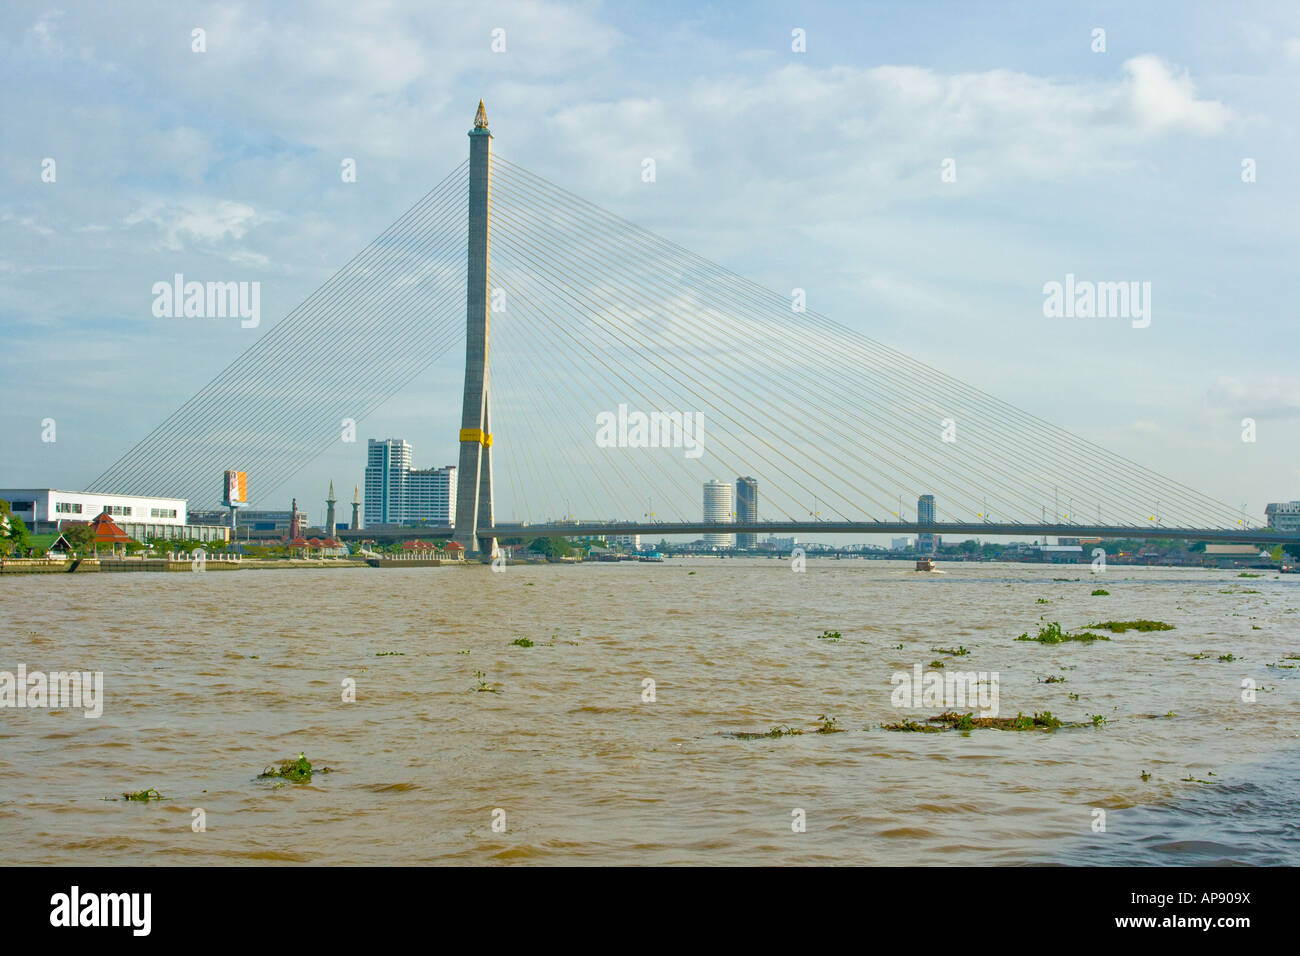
[573, 319]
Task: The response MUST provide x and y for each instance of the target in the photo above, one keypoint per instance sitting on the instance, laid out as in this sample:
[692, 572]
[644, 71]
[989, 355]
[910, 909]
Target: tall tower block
[474, 476]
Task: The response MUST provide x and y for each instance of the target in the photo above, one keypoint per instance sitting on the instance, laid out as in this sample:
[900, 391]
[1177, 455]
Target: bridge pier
[474, 473]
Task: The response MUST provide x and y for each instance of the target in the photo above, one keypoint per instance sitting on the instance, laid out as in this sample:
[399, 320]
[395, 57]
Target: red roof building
[107, 532]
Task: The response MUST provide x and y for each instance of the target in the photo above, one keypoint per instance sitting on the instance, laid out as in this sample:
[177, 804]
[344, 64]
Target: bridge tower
[474, 475]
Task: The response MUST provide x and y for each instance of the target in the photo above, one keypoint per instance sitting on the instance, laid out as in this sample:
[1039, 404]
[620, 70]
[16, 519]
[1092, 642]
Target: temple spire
[480, 118]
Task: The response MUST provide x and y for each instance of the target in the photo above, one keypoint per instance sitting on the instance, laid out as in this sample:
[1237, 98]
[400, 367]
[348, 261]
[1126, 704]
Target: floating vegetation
[1042, 601]
[1227, 658]
[482, 685]
[140, 796]
[1119, 627]
[1097, 719]
[1247, 574]
[295, 771]
[466, 651]
[829, 636]
[936, 664]
[1074, 697]
[390, 654]
[1052, 634]
[1054, 679]
[779, 731]
[521, 642]
[950, 720]
[1101, 592]
[1145, 775]
[958, 651]
[829, 725]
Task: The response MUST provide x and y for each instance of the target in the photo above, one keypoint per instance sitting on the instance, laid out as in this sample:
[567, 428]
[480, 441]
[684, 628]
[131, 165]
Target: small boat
[925, 564]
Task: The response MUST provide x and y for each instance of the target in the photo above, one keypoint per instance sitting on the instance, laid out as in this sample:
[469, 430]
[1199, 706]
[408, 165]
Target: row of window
[162, 512]
[67, 507]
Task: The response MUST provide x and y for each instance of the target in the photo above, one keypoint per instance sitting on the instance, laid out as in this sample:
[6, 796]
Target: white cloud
[1164, 99]
[206, 221]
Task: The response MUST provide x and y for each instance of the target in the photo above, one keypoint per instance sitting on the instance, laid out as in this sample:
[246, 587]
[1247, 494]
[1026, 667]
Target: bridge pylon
[474, 474]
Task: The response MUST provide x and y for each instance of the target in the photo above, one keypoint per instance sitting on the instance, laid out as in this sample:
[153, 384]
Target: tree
[550, 548]
[79, 537]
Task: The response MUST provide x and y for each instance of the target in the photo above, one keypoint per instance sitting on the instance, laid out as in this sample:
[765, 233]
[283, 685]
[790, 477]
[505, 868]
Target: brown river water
[209, 678]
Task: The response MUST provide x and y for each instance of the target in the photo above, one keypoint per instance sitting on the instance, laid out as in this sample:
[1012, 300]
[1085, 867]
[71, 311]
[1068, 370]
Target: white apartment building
[719, 507]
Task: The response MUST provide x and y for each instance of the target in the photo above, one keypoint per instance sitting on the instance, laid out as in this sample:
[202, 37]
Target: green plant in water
[1119, 627]
[1054, 679]
[936, 664]
[521, 642]
[1042, 601]
[829, 636]
[482, 685]
[1052, 634]
[144, 796]
[1227, 658]
[296, 771]
[390, 654]
[829, 725]
[783, 732]
[1097, 719]
[1101, 592]
[959, 651]
[1074, 697]
[912, 726]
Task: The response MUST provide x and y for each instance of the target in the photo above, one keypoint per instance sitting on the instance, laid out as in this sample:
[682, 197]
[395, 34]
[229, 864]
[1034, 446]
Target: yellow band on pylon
[476, 434]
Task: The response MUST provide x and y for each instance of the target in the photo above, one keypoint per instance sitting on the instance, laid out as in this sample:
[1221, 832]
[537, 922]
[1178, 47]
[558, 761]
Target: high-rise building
[387, 463]
[926, 543]
[746, 509]
[431, 496]
[1283, 516]
[398, 494]
[719, 509]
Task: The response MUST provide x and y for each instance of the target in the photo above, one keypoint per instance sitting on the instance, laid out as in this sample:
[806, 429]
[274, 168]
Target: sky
[819, 168]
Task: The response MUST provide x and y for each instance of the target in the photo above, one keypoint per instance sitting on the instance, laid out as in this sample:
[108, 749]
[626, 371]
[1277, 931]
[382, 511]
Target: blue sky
[818, 170]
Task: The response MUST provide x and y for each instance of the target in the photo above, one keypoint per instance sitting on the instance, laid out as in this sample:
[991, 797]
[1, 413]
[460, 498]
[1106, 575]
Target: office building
[925, 514]
[387, 463]
[398, 494]
[1283, 516]
[719, 508]
[430, 496]
[746, 509]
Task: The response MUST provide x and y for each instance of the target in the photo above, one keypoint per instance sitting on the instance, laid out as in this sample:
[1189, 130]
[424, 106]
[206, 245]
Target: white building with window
[719, 508]
[1283, 516]
[50, 507]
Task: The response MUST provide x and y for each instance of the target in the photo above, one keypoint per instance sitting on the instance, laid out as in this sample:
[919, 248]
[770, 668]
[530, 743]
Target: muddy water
[211, 677]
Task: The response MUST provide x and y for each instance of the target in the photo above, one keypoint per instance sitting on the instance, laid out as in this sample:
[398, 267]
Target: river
[563, 758]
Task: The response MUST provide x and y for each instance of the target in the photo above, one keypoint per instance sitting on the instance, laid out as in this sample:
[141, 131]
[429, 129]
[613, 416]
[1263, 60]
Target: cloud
[1262, 397]
[206, 221]
[1164, 99]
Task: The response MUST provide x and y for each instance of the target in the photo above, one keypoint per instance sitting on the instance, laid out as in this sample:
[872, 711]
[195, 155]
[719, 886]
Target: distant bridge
[1260, 536]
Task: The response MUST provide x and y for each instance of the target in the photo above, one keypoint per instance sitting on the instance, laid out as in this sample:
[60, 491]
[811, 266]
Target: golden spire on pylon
[480, 118]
